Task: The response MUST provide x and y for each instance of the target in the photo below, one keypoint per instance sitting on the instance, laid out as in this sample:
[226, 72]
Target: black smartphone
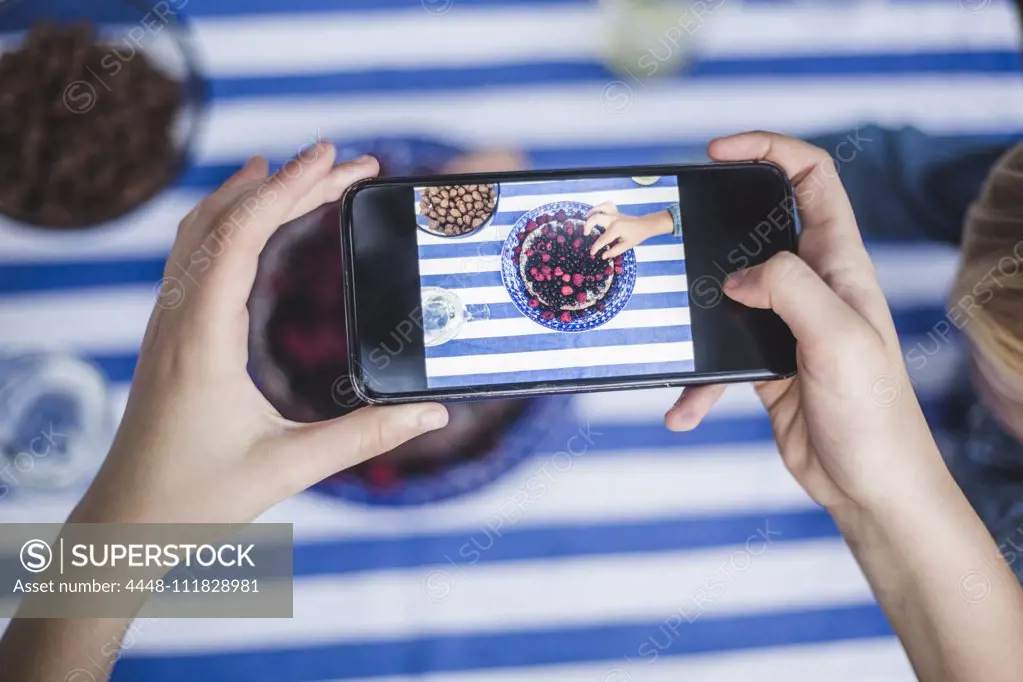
[511, 284]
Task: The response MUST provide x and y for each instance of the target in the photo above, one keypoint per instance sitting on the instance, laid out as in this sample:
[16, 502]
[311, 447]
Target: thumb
[814, 313]
[315, 451]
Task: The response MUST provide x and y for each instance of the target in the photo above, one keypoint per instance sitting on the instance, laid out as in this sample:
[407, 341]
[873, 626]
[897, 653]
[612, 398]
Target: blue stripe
[458, 249]
[677, 299]
[546, 375]
[485, 545]
[450, 79]
[50, 276]
[471, 651]
[538, 342]
[462, 280]
[103, 10]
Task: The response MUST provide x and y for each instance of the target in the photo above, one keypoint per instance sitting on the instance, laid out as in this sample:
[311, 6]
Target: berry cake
[563, 279]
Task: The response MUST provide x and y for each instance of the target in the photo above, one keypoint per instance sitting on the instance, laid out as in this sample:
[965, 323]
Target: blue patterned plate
[614, 301]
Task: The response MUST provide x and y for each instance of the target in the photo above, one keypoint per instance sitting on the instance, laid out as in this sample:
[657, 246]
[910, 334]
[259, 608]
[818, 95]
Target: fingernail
[433, 419]
[363, 160]
[735, 279]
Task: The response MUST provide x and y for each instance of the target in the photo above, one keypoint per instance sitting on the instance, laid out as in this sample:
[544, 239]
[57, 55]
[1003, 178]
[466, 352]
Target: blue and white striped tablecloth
[651, 334]
[644, 558]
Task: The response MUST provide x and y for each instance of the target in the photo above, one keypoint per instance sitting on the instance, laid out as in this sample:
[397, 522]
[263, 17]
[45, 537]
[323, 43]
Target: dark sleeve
[907, 185]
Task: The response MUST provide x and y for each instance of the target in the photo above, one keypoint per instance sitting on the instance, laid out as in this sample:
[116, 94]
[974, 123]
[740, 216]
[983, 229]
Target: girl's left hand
[622, 231]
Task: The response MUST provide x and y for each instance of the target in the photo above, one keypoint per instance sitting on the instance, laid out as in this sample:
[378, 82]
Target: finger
[597, 220]
[313, 452]
[830, 242]
[330, 189]
[692, 406]
[603, 207]
[611, 234]
[255, 168]
[618, 249]
[817, 317]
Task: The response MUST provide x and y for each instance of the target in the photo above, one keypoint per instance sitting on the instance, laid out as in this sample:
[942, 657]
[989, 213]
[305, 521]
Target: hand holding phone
[510, 284]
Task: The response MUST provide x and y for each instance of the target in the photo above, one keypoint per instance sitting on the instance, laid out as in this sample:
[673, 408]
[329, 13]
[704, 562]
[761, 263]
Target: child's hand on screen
[624, 232]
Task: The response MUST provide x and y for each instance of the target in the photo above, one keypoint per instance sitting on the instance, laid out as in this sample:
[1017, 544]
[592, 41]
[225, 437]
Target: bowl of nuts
[455, 210]
[100, 101]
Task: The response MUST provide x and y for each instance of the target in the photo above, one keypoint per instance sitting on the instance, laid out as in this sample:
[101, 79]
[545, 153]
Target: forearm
[939, 577]
[52, 650]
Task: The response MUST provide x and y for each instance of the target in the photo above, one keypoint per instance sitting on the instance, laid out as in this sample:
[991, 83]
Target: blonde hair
[987, 294]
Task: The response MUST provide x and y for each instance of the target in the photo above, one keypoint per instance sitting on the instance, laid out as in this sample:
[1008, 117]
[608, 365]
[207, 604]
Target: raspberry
[530, 226]
[529, 252]
[559, 272]
[544, 219]
[532, 271]
[577, 242]
[577, 280]
[600, 306]
[607, 271]
[566, 290]
[566, 316]
[548, 315]
[561, 215]
[566, 277]
[545, 269]
[561, 239]
[619, 269]
[518, 250]
[618, 260]
[533, 303]
[522, 236]
[581, 297]
[545, 257]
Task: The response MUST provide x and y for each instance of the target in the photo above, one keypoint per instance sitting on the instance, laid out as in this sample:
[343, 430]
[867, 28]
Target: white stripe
[573, 113]
[521, 326]
[113, 318]
[471, 265]
[646, 484]
[601, 356]
[485, 36]
[574, 591]
[877, 660]
[147, 232]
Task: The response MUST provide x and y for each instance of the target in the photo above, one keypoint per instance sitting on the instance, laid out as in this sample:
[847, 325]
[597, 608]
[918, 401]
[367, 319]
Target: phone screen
[482, 284]
[552, 280]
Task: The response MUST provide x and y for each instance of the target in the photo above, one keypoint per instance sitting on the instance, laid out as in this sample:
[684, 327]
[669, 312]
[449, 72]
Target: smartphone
[500, 285]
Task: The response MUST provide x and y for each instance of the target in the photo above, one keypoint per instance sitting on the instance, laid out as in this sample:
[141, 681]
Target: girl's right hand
[848, 425]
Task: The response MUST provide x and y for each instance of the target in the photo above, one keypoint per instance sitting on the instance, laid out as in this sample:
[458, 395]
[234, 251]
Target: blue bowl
[614, 301]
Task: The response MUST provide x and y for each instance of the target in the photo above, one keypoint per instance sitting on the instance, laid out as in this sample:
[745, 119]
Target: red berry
[559, 272]
[545, 269]
[532, 271]
[566, 316]
[600, 278]
[581, 297]
[566, 290]
[619, 269]
[529, 252]
[533, 303]
[543, 219]
[550, 246]
[618, 260]
[577, 280]
[546, 257]
[566, 277]
[561, 239]
[530, 226]
[607, 271]
[569, 228]
[548, 315]
[560, 215]
[518, 250]
[577, 242]
[600, 306]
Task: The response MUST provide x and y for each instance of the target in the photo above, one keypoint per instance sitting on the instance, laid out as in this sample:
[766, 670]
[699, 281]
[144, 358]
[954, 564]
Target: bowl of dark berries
[455, 210]
[552, 277]
[100, 101]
